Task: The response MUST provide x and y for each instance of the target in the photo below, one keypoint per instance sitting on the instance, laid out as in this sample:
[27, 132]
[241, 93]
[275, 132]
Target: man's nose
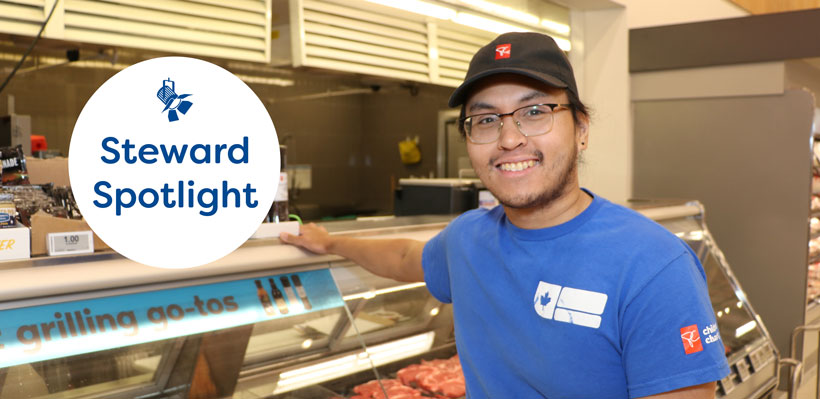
[510, 137]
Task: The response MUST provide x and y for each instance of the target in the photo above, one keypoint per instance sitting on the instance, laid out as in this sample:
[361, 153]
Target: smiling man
[557, 293]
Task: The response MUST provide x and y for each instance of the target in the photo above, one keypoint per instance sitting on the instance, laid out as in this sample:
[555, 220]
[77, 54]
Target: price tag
[74, 242]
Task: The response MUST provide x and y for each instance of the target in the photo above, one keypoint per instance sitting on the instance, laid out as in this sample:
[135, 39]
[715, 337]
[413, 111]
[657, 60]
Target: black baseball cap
[530, 54]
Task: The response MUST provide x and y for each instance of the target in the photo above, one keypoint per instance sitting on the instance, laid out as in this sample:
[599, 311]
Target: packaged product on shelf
[14, 166]
[28, 199]
[64, 198]
[8, 212]
[279, 209]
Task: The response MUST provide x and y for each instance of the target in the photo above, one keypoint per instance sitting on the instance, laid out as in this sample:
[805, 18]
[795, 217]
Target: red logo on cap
[502, 51]
[691, 339]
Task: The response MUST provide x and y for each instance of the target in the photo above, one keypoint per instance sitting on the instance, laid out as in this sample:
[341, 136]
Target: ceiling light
[503, 11]
[265, 81]
[557, 27]
[487, 24]
[563, 44]
[419, 7]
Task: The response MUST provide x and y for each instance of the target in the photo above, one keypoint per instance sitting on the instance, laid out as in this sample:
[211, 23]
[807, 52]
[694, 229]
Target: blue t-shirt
[607, 305]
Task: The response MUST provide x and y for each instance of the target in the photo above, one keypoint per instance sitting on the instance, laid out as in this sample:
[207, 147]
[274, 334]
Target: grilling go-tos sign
[174, 162]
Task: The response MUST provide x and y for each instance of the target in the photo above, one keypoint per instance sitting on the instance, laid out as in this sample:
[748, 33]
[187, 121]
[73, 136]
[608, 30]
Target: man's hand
[312, 237]
[399, 259]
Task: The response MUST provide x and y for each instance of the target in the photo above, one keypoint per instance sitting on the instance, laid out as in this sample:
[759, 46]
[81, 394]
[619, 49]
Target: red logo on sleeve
[691, 339]
[502, 51]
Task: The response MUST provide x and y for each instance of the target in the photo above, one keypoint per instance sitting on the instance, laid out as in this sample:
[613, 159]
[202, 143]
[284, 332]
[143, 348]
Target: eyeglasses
[532, 120]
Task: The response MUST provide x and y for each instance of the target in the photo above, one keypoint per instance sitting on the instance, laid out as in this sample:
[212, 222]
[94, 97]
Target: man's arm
[703, 391]
[399, 259]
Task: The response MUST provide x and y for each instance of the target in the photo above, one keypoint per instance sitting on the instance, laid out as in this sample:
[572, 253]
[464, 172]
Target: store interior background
[350, 140]
[347, 127]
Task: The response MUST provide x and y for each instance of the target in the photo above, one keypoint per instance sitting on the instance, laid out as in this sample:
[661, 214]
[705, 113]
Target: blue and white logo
[172, 101]
[174, 195]
[569, 305]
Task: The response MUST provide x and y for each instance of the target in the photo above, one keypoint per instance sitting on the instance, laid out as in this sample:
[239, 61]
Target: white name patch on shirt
[569, 305]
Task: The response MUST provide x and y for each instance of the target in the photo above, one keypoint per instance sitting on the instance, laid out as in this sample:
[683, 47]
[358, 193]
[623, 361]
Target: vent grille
[456, 46]
[21, 17]
[342, 37]
[236, 29]
[361, 37]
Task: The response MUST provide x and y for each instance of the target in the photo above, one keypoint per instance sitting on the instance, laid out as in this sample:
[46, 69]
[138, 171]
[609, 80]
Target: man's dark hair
[578, 109]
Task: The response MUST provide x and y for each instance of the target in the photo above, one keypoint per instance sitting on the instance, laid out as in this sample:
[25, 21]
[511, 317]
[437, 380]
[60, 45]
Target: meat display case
[272, 321]
[752, 356]
[813, 280]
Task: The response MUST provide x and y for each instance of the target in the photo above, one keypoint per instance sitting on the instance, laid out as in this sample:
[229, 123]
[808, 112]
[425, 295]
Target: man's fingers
[288, 238]
[311, 237]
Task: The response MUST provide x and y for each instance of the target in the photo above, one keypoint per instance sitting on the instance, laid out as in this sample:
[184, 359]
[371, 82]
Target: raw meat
[394, 388]
[440, 377]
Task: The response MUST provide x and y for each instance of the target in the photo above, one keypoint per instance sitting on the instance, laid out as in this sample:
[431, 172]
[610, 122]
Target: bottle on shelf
[279, 209]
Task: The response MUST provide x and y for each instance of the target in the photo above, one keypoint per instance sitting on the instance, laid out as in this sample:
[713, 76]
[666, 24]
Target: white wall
[600, 56]
[600, 59]
[645, 13]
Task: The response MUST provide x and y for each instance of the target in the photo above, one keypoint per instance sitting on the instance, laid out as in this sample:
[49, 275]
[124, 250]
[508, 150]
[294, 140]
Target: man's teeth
[517, 166]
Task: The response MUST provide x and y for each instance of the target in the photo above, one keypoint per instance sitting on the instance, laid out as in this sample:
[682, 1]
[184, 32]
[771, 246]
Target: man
[558, 293]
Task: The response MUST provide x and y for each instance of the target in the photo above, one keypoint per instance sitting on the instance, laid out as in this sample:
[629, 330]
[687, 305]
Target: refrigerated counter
[271, 320]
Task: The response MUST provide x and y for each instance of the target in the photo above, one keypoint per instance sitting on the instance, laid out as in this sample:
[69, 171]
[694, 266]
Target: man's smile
[518, 163]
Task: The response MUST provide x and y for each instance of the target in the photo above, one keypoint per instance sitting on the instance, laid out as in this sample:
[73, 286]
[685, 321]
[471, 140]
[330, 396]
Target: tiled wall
[350, 141]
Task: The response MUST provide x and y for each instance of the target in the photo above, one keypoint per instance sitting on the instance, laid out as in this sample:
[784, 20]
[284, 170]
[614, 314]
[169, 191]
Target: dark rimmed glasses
[532, 120]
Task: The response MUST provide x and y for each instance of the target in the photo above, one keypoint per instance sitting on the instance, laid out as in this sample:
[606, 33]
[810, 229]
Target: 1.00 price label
[74, 242]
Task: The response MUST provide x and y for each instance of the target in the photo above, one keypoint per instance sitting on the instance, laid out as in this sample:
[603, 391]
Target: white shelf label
[74, 242]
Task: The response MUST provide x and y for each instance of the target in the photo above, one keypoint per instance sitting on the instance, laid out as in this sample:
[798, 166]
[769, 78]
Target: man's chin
[519, 201]
[531, 200]
[523, 203]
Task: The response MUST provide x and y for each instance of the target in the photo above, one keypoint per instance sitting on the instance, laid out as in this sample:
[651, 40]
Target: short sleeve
[669, 334]
[434, 263]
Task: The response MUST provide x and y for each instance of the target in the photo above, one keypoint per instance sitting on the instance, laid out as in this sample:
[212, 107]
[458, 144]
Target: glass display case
[271, 321]
[813, 280]
[751, 354]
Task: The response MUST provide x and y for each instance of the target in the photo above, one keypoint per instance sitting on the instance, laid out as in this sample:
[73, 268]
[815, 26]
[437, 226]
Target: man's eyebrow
[480, 106]
[532, 95]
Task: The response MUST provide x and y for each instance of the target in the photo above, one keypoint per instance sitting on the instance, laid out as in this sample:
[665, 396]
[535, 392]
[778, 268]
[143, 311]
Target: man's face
[525, 172]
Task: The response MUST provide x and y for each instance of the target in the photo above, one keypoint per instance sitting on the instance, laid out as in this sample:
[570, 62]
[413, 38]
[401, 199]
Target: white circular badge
[174, 162]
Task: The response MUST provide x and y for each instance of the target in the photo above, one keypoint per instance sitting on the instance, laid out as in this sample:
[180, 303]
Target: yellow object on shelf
[409, 151]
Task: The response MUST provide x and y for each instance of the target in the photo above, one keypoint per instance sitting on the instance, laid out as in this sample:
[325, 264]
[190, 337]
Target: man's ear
[582, 131]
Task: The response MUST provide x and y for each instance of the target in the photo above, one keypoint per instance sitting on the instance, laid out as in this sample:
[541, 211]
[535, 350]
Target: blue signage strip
[45, 332]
